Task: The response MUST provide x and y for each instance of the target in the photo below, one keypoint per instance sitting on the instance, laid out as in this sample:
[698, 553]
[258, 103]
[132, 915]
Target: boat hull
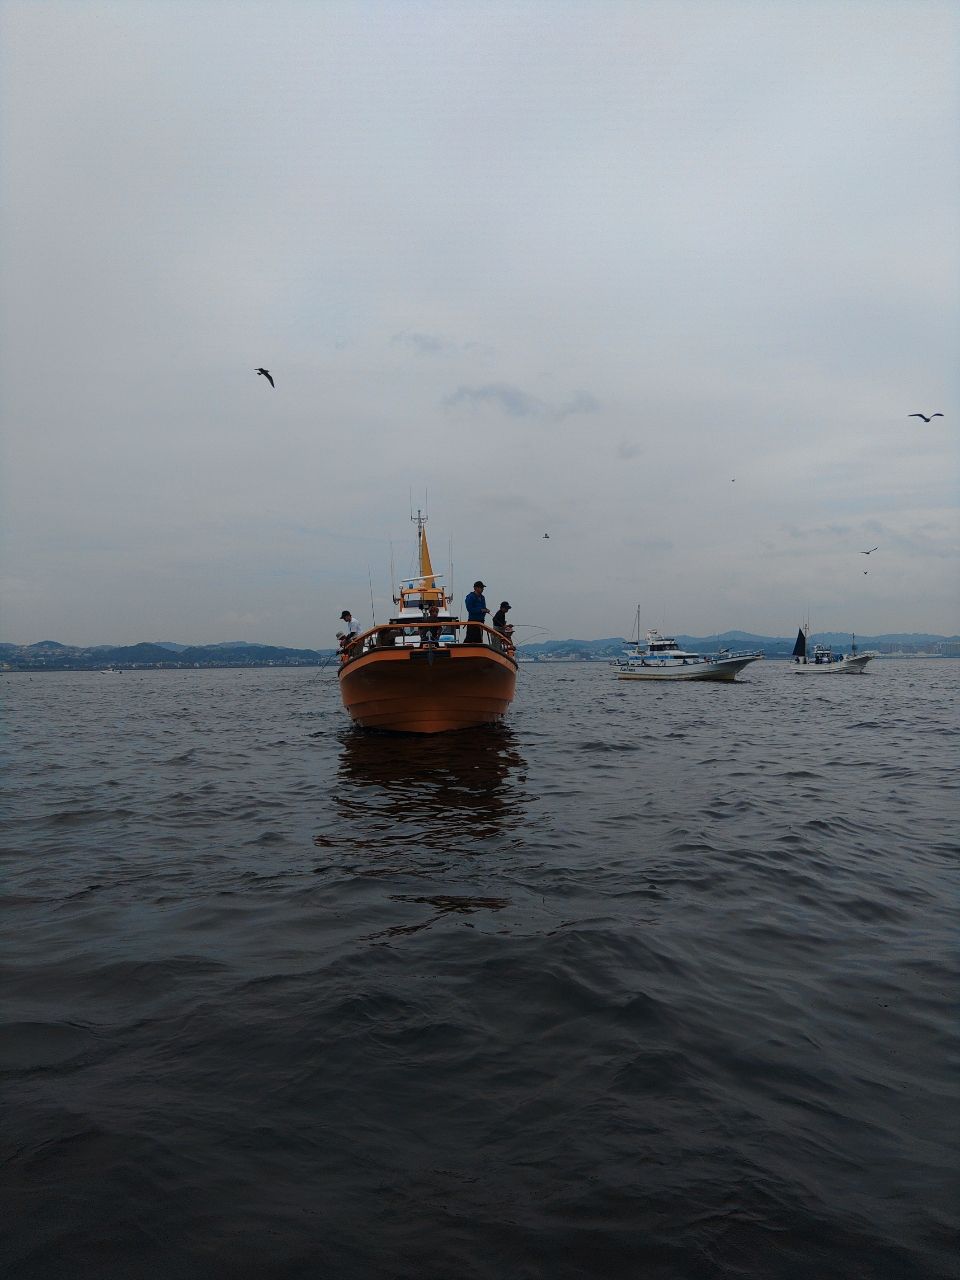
[724, 670]
[850, 665]
[428, 691]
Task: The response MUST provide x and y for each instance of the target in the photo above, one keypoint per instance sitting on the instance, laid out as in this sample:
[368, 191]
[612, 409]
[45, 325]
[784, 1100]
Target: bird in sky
[870, 552]
[865, 572]
[546, 535]
[924, 416]
[266, 374]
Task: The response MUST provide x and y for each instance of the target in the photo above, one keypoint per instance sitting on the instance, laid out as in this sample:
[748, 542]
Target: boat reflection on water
[419, 815]
[449, 793]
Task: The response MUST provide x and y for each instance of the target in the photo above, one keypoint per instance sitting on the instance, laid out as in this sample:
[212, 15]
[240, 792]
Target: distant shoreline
[51, 655]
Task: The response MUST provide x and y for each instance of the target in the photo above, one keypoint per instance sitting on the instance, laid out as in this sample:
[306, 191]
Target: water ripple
[648, 981]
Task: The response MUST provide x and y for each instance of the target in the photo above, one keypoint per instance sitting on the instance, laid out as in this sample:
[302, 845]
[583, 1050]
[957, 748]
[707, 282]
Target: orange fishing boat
[425, 671]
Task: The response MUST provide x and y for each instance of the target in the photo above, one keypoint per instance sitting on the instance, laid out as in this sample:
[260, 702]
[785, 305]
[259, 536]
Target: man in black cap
[500, 620]
[476, 612]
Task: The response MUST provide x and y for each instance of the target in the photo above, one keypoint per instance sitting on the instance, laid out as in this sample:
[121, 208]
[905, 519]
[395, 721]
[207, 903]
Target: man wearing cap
[352, 631]
[477, 610]
[500, 620]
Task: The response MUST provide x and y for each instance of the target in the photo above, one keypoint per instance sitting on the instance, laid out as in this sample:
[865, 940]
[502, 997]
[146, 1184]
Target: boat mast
[424, 589]
[423, 551]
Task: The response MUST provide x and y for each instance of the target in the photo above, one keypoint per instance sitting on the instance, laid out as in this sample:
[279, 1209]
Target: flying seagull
[546, 535]
[924, 416]
[266, 374]
[870, 552]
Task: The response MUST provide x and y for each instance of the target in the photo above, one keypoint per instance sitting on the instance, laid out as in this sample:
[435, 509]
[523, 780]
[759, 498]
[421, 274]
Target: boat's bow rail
[430, 634]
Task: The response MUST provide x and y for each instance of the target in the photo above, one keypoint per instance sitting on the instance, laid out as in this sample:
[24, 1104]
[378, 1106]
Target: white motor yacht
[661, 658]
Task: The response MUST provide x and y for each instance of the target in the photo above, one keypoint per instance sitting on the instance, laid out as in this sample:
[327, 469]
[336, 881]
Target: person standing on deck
[352, 631]
[477, 610]
[500, 620]
[431, 635]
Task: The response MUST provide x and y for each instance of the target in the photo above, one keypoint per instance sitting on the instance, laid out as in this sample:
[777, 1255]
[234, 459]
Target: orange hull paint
[419, 691]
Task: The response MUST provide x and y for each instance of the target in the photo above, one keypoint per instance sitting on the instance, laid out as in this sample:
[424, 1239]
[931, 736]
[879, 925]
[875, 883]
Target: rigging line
[373, 612]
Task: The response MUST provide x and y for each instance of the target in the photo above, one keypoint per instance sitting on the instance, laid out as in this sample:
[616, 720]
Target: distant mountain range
[772, 646]
[51, 655]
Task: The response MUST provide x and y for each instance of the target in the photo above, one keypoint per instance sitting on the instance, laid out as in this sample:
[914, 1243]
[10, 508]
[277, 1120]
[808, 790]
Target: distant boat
[421, 672]
[661, 658]
[824, 659]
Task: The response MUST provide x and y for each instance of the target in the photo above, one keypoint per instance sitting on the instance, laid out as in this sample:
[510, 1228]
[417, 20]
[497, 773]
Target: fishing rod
[529, 626]
[327, 660]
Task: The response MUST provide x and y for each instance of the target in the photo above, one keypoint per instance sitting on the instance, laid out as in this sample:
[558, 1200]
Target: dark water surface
[652, 982]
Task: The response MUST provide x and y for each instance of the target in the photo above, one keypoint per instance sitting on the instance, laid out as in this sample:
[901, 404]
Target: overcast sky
[663, 280]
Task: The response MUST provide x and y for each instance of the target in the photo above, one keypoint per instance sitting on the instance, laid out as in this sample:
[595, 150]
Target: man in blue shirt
[477, 610]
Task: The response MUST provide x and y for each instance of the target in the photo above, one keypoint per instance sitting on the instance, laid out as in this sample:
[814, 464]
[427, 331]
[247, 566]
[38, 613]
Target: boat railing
[427, 633]
[658, 658]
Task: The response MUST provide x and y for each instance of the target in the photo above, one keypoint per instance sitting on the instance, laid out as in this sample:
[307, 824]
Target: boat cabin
[656, 643]
[423, 619]
[663, 648]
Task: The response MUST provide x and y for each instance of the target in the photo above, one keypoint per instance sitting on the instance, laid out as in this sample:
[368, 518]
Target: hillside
[51, 655]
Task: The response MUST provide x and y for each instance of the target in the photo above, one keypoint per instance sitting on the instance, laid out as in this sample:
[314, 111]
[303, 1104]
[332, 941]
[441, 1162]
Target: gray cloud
[519, 404]
[628, 449]
[581, 402]
[426, 343]
[432, 344]
[511, 400]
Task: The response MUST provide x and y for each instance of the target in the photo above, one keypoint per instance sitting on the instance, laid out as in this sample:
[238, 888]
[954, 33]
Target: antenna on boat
[373, 612]
[393, 576]
[420, 520]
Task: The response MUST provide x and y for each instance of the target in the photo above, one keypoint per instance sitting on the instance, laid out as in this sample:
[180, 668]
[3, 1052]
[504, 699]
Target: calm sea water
[654, 981]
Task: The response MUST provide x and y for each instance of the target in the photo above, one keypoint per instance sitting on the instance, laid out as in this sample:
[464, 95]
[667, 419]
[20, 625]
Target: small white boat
[824, 659]
[661, 658]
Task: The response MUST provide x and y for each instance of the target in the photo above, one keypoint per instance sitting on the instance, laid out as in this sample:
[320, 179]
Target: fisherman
[347, 637]
[477, 610]
[431, 635]
[500, 620]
